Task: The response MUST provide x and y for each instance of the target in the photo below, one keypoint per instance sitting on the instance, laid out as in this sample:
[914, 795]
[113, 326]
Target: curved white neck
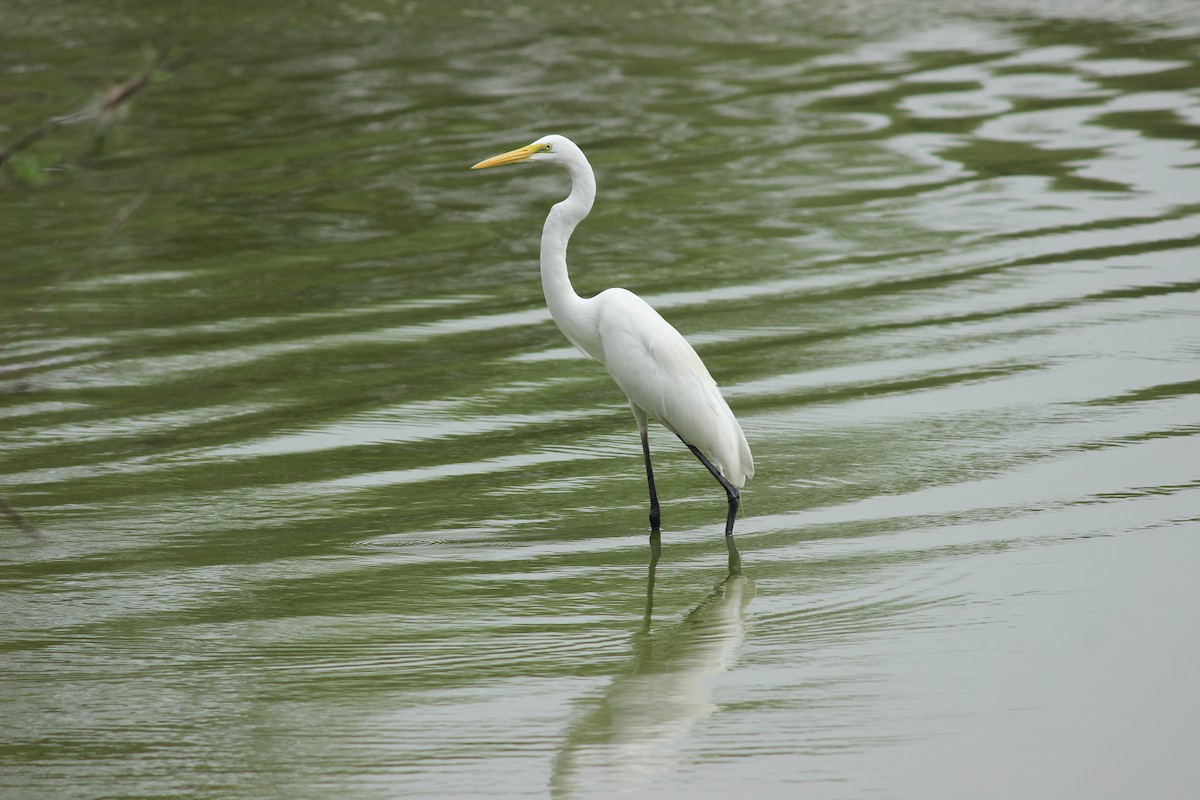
[571, 312]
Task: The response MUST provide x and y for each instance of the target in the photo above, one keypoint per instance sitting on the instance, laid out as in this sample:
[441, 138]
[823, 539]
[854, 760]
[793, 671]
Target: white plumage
[656, 368]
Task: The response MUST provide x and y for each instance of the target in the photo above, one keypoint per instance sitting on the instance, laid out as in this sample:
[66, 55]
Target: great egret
[653, 364]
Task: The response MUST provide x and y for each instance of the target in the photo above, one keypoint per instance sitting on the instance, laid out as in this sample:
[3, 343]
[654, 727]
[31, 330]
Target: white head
[553, 148]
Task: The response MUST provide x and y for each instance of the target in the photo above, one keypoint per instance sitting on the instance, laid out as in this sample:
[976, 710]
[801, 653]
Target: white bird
[656, 368]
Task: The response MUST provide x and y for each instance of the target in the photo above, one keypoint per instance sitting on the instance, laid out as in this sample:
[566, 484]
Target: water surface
[328, 508]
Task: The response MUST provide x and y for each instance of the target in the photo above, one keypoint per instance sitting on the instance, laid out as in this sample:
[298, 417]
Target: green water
[328, 508]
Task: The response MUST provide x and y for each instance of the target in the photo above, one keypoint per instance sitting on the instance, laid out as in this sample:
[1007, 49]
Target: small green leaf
[31, 169]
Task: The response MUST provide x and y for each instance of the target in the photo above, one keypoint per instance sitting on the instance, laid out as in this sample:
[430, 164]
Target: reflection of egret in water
[634, 730]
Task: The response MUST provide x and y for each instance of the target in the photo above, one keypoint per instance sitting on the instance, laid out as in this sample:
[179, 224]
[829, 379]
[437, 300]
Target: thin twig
[15, 518]
[70, 272]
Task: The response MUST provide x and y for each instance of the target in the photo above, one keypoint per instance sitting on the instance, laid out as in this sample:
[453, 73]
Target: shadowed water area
[328, 507]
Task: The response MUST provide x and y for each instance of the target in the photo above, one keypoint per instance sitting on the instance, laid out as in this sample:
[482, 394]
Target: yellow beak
[511, 157]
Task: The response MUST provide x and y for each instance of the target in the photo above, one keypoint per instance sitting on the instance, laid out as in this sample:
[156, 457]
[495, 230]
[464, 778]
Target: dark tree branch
[68, 274]
[162, 64]
[115, 97]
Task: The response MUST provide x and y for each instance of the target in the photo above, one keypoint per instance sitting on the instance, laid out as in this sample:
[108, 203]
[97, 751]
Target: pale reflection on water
[633, 729]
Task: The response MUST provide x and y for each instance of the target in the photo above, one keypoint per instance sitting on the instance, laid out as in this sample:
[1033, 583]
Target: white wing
[661, 373]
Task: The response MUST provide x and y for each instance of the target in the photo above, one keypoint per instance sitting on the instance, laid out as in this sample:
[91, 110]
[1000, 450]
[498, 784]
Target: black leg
[735, 498]
[655, 511]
